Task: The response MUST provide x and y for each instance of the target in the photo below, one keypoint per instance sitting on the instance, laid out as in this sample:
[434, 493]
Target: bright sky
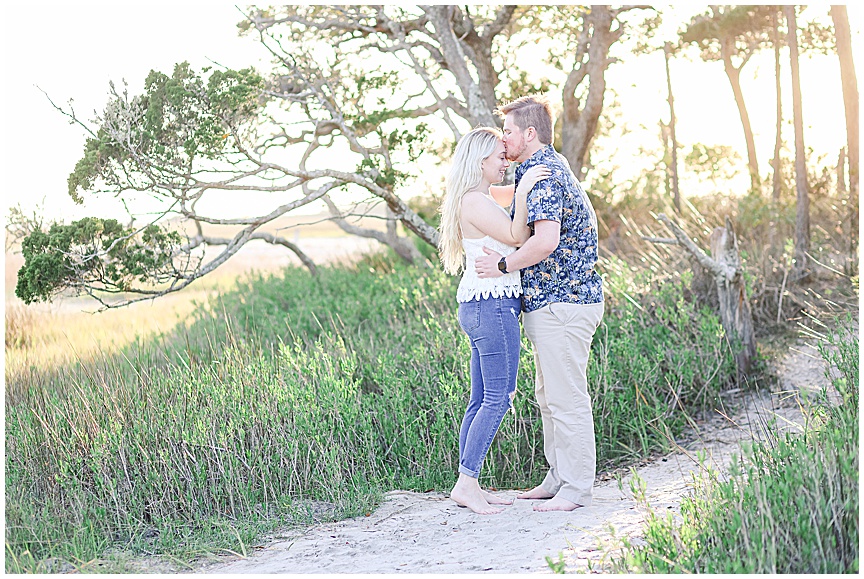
[73, 51]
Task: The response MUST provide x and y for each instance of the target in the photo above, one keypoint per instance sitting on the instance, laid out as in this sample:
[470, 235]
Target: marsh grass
[786, 505]
[292, 399]
[45, 336]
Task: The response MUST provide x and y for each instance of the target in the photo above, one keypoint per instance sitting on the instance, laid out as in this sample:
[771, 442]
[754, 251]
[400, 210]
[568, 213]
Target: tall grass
[294, 396]
[788, 505]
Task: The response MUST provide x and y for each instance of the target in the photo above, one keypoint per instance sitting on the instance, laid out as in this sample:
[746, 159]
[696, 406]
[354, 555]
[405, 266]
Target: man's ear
[530, 134]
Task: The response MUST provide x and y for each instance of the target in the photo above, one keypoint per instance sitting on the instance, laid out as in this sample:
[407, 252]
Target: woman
[488, 308]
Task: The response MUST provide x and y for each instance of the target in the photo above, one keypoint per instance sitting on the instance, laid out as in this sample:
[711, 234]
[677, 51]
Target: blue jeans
[492, 324]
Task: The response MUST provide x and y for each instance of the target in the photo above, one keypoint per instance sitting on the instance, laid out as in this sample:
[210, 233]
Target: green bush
[790, 506]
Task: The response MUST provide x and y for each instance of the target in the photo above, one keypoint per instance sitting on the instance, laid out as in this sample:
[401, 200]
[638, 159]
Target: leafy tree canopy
[72, 256]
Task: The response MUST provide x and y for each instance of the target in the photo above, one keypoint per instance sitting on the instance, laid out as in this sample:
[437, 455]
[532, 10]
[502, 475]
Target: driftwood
[724, 264]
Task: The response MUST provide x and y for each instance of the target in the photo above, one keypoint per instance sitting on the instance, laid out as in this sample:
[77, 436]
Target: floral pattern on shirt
[568, 274]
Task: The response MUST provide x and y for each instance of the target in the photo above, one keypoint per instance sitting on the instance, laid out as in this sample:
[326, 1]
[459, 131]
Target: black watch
[502, 265]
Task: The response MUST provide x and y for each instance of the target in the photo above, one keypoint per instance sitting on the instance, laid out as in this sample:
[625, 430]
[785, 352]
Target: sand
[427, 533]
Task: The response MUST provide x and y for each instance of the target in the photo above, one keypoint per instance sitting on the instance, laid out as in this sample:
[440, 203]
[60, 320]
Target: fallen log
[724, 264]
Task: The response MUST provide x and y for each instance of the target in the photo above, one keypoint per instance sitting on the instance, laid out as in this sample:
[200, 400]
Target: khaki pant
[561, 335]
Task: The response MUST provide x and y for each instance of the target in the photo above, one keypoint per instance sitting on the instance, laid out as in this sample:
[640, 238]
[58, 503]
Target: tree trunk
[578, 126]
[725, 266]
[841, 172]
[802, 217]
[403, 246]
[456, 62]
[727, 45]
[774, 248]
[734, 307]
[478, 48]
[667, 156]
[778, 139]
[676, 196]
[850, 103]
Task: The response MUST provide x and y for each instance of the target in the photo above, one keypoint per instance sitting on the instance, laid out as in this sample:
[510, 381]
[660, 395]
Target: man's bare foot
[536, 493]
[556, 504]
[493, 500]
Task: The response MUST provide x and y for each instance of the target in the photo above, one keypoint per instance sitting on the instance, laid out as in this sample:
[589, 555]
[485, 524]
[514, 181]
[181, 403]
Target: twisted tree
[356, 98]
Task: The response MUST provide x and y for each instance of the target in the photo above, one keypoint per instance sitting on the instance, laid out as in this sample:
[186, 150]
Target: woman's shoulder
[473, 195]
[473, 199]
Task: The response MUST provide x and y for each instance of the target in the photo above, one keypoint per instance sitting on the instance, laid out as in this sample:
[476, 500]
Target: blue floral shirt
[568, 274]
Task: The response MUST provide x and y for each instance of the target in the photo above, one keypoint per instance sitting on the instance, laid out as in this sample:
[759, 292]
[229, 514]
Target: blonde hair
[465, 175]
[531, 111]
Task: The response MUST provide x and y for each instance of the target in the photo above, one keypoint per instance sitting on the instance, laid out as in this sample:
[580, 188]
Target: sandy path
[427, 533]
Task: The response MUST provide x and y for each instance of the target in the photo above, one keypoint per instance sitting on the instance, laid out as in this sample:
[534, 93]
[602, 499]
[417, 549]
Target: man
[562, 303]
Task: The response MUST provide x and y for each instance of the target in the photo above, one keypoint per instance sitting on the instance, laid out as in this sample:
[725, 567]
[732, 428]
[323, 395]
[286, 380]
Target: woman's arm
[481, 214]
[545, 240]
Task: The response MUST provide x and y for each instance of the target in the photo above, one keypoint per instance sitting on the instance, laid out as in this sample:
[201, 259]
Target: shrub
[786, 507]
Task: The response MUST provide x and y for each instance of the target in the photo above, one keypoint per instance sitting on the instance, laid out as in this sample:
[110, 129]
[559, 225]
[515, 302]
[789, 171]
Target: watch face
[502, 266]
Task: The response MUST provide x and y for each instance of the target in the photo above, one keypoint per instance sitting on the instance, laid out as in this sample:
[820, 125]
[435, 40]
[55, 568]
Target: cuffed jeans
[561, 335]
[492, 325]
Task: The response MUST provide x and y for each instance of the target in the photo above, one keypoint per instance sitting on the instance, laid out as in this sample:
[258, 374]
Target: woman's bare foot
[536, 493]
[556, 504]
[493, 500]
[467, 493]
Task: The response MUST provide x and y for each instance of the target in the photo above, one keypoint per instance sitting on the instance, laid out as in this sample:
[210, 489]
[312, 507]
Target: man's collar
[536, 155]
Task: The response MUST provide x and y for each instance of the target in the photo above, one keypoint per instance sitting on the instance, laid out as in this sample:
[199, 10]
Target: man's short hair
[531, 111]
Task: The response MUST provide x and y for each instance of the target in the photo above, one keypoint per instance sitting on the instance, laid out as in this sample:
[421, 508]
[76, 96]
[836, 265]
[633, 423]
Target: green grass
[294, 398]
[789, 505]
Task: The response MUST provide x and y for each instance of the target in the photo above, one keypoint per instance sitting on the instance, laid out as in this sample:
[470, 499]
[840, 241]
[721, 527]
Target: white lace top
[472, 287]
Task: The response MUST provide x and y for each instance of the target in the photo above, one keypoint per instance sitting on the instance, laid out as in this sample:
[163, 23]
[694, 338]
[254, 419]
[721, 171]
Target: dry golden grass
[51, 335]
[42, 336]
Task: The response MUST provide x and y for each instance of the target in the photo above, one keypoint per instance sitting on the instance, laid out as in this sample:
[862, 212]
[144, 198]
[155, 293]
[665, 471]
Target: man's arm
[547, 235]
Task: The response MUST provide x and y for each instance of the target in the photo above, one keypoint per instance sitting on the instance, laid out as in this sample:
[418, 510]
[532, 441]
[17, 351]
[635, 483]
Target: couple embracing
[538, 260]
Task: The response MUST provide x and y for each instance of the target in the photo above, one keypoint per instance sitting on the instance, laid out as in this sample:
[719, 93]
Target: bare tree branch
[703, 258]
[401, 245]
